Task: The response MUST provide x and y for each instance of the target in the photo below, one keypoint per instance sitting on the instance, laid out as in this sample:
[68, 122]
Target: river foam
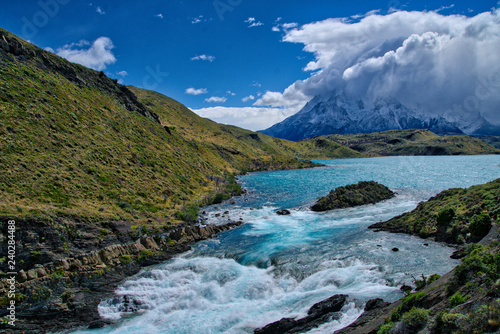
[279, 266]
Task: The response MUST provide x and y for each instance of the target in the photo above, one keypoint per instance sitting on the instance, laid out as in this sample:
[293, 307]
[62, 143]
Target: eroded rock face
[63, 294]
[365, 192]
[319, 313]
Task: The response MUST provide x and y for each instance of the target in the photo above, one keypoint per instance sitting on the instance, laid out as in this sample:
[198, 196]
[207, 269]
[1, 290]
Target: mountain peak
[346, 114]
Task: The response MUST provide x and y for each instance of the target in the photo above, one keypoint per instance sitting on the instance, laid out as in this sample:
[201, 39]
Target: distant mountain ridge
[344, 114]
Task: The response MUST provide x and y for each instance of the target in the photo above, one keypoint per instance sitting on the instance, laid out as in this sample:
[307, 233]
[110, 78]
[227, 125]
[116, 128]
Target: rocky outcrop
[365, 192]
[319, 313]
[64, 293]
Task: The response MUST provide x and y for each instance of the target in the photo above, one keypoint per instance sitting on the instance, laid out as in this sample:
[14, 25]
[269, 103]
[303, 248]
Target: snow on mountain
[344, 114]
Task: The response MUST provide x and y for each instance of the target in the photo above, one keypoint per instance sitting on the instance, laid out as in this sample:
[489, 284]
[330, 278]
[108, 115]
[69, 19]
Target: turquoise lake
[279, 266]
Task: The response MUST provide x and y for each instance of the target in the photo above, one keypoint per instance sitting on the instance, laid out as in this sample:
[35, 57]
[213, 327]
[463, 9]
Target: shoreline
[74, 287]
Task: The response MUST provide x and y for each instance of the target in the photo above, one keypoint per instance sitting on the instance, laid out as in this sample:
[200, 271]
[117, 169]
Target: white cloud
[444, 8]
[248, 118]
[98, 56]
[230, 93]
[424, 59]
[159, 16]
[122, 73]
[290, 25]
[216, 99]
[248, 98]
[256, 24]
[48, 48]
[194, 91]
[253, 23]
[100, 11]
[204, 57]
[275, 28]
[199, 19]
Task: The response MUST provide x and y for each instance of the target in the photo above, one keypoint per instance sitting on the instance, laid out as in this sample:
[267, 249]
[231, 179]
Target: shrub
[457, 299]
[446, 323]
[445, 216]
[188, 213]
[386, 328]
[416, 318]
[126, 258]
[480, 225]
[144, 254]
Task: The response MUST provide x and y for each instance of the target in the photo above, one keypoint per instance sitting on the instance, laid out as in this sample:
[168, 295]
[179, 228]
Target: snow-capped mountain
[344, 114]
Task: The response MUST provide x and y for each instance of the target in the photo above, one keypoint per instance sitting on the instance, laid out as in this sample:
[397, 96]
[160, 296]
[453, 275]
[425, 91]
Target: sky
[254, 63]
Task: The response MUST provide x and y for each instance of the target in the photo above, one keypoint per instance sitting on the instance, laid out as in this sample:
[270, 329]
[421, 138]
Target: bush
[416, 318]
[188, 213]
[126, 258]
[480, 225]
[446, 323]
[457, 299]
[386, 329]
[445, 216]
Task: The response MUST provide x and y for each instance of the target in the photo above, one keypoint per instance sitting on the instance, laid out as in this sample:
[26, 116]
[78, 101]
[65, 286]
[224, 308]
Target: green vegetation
[78, 145]
[454, 215]
[412, 142]
[364, 192]
[425, 281]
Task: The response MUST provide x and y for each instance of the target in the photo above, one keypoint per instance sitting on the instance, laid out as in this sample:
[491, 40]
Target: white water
[279, 266]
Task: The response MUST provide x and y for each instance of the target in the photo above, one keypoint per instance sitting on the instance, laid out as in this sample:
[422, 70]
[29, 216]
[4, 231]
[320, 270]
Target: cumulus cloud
[100, 11]
[248, 118]
[248, 98]
[203, 57]
[216, 99]
[159, 16]
[122, 73]
[196, 91]
[96, 56]
[427, 60]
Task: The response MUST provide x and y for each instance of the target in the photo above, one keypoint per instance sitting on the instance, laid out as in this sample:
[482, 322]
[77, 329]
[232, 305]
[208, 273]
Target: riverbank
[64, 294]
[464, 299]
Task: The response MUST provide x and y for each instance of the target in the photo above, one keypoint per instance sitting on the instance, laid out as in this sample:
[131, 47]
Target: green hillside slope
[412, 142]
[77, 144]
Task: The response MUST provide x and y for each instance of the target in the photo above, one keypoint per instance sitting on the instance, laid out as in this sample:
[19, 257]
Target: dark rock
[376, 303]
[281, 326]
[364, 192]
[332, 304]
[406, 288]
[395, 249]
[283, 212]
[319, 313]
[99, 324]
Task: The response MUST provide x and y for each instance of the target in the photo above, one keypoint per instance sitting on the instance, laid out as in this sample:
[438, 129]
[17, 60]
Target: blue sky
[204, 54]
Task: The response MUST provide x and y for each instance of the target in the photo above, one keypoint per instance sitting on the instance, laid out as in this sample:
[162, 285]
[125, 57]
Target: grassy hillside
[492, 140]
[464, 300]
[455, 215]
[77, 144]
[412, 142]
